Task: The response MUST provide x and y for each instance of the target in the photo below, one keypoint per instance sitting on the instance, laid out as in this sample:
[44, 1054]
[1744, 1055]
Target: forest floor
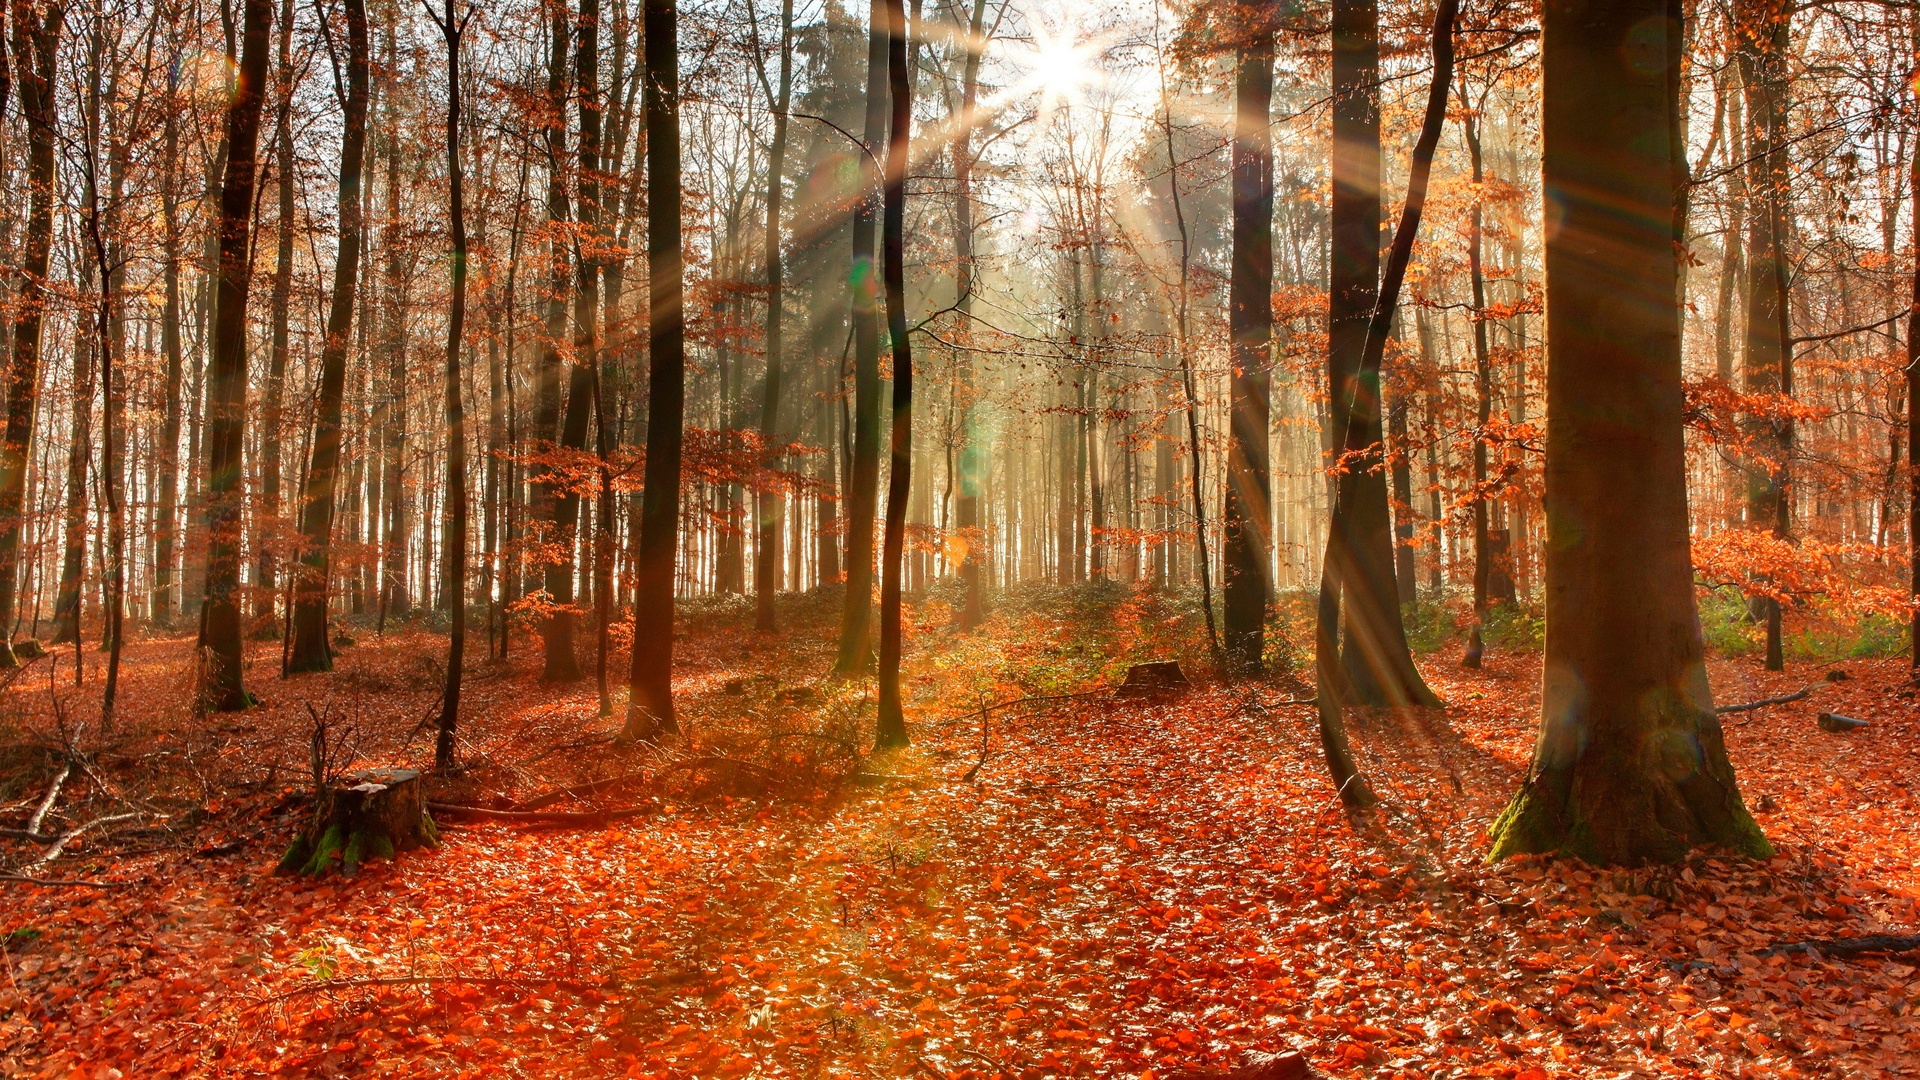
[1124, 888]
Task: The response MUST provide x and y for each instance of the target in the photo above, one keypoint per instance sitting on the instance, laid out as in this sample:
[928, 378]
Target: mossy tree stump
[375, 813]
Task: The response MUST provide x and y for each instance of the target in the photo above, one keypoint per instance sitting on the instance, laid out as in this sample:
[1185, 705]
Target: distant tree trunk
[67, 602]
[1375, 659]
[1482, 388]
[221, 626]
[1403, 513]
[891, 724]
[583, 393]
[267, 524]
[1246, 516]
[766, 571]
[1913, 425]
[164, 603]
[973, 453]
[393, 434]
[310, 648]
[863, 481]
[650, 711]
[1630, 765]
[453, 547]
[1764, 27]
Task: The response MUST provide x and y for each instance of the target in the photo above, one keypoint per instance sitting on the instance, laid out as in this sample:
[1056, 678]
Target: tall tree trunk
[267, 523]
[891, 724]
[1246, 516]
[1763, 26]
[393, 432]
[1375, 659]
[453, 548]
[863, 481]
[650, 708]
[36, 43]
[1630, 765]
[310, 648]
[586, 334]
[221, 626]
[766, 571]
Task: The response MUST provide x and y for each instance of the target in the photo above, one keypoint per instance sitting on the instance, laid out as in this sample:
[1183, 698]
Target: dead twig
[46, 804]
[60, 845]
[1750, 706]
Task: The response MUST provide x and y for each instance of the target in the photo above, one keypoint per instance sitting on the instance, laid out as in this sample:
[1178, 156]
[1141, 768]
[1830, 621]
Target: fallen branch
[547, 799]
[53, 792]
[23, 834]
[594, 818]
[1750, 706]
[60, 845]
[1854, 946]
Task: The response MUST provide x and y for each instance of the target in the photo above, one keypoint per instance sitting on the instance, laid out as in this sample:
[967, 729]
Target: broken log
[376, 813]
[1157, 677]
[1831, 721]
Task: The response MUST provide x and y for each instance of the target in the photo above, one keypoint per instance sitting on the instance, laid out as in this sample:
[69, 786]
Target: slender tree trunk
[650, 709]
[1246, 515]
[891, 724]
[311, 649]
[584, 391]
[267, 523]
[68, 601]
[1630, 765]
[974, 449]
[766, 571]
[164, 602]
[454, 545]
[1482, 390]
[221, 628]
[863, 480]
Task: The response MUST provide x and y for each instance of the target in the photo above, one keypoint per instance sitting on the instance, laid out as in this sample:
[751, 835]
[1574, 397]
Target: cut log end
[1836, 723]
[373, 814]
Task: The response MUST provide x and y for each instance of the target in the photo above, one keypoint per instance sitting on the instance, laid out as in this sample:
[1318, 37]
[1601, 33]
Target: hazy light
[1059, 65]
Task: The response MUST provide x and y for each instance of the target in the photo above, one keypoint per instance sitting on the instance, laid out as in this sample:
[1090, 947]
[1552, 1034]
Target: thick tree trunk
[650, 711]
[861, 491]
[557, 510]
[1630, 765]
[1246, 515]
[221, 628]
[311, 649]
[891, 725]
[1375, 659]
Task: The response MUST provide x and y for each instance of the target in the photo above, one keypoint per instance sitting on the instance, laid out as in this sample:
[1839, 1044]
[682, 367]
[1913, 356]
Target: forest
[964, 539]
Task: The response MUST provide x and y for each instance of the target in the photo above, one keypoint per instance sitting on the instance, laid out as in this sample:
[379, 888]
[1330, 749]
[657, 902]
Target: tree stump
[1159, 677]
[371, 814]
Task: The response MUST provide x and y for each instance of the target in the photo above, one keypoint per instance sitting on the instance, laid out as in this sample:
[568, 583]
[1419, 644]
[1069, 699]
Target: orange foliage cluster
[1761, 564]
[1125, 889]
